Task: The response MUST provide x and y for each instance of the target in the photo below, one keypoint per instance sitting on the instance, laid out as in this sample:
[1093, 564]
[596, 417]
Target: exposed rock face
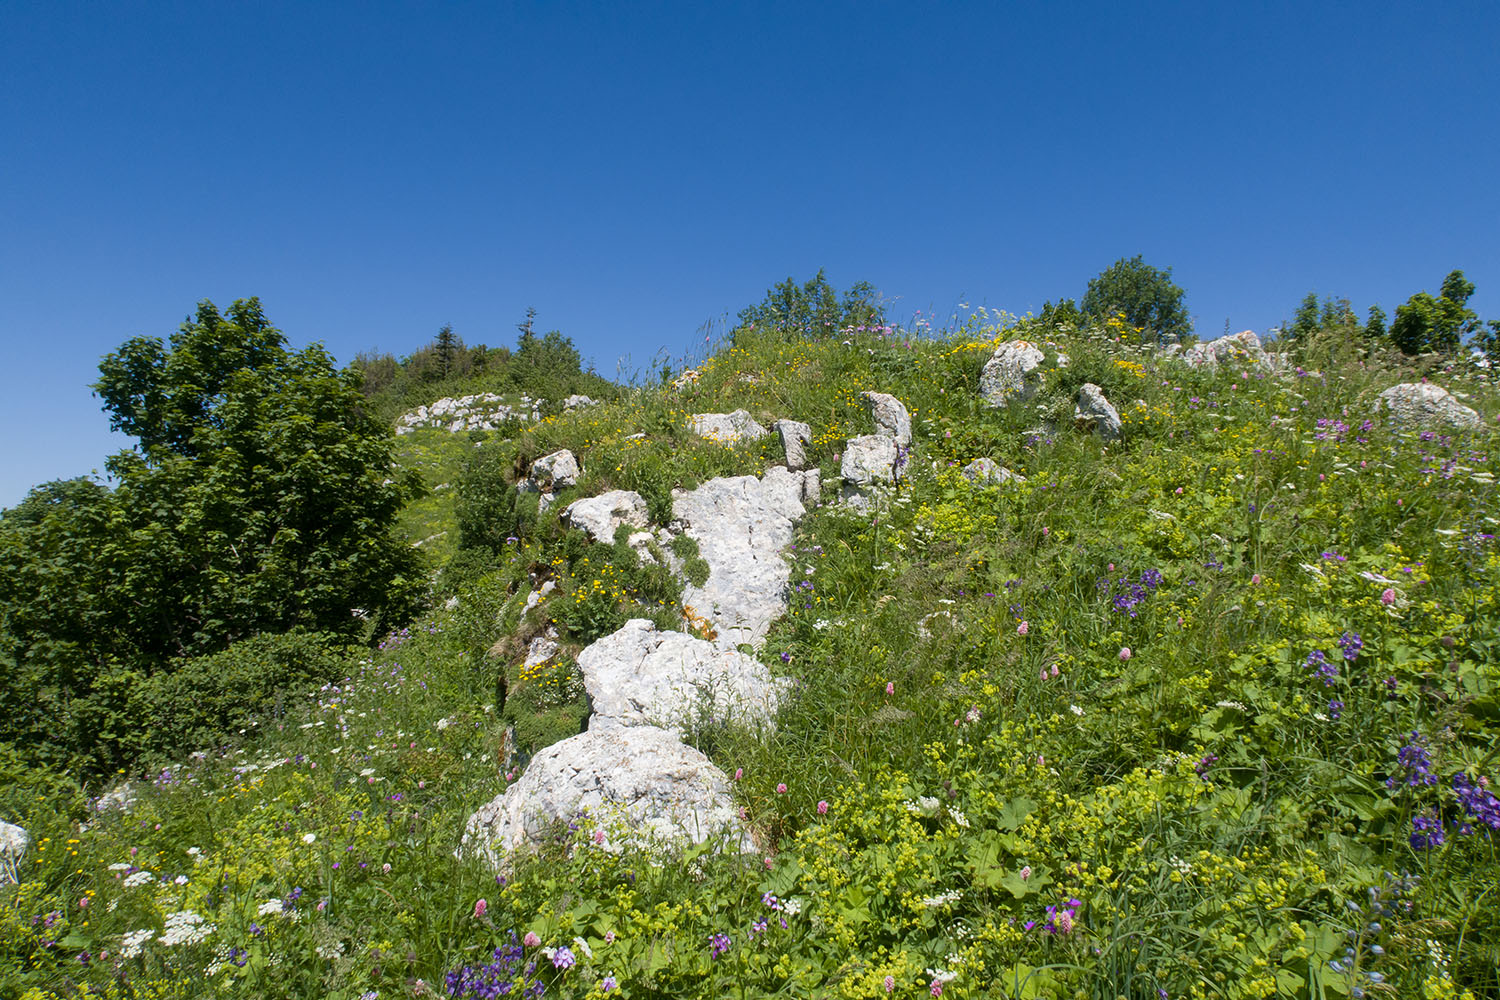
[601, 515]
[663, 790]
[556, 471]
[985, 470]
[482, 412]
[13, 844]
[1424, 403]
[871, 459]
[727, 428]
[1011, 372]
[795, 437]
[642, 675]
[741, 525]
[1095, 413]
[1243, 348]
[890, 416]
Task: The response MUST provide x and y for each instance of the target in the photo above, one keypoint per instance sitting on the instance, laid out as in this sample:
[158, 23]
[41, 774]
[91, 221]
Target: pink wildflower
[531, 940]
[1042, 674]
[1388, 596]
[937, 988]
[739, 773]
[1025, 873]
[822, 807]
[1255, 580]
[890, 687]
[890, 984]
[781, 788]
[480, 907]
[1124, 653]
[1023, 628]
[1045, 531]
[1054, 670]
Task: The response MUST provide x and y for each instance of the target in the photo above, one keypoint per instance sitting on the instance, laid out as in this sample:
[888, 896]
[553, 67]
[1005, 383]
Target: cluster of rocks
[648, 687]
[482, 412]
[726, 428]
[551, 473]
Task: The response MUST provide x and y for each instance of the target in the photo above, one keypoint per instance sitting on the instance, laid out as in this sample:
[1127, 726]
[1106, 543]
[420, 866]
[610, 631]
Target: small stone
[1095, 413]
[556, 471]
[890, 416]
[795, 437]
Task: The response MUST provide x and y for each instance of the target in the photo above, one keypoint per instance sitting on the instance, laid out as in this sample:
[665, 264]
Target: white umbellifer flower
[181, 880]
[1075, 709]
[331, 950]
[119, 866]
[792, 907]
[943, 899]
[958, 818]
[185, 927]
[942, 975]
[130, 944]
[927, 802]
[308, 838]
[444, 723]
[270, 907]
[367, 772]
[141, 877]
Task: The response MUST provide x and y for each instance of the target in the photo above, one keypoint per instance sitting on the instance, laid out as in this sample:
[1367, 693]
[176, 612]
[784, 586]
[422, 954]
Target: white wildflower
[131, 943]
[308, 838]
[958, 818]
[331, 950]
[1075, 709]
[185, 927]
[142, 877]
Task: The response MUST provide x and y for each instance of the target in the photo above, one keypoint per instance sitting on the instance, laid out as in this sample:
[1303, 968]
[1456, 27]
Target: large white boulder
[1094, 412]
[795, 437]
[726, 428]
[741, 525]
[890, 416]
[1424, 403]
[644, 778]
[871, 459]
[641, 675]
[1012, 371]
[556, 471]
[600, 516]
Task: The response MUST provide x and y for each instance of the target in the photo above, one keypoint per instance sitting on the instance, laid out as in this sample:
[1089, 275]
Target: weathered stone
[986, 470]
[1012, 371]
[890, 416]
[13, 844]
[1240, 348]
[577, 401]
[1425, 403]
[741, 525]
[795, 437]
[641, 675]
[727, 428]
[543, 648]
[871, 458]
[556, 471]
[120, 798]
[538, 595]
[659, 790]
[1095, 413]
[601, 515]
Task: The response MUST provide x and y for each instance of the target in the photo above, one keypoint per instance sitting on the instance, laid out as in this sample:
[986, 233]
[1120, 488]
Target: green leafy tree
[1375, 325]
[814, 309]
[1145, 295]
[259, 499]
[1424, 323]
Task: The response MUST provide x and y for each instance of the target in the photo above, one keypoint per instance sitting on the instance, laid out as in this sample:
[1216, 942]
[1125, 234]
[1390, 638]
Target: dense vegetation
[1207, 712]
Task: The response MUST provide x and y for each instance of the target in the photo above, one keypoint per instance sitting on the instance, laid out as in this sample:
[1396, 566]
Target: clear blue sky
[375, 170]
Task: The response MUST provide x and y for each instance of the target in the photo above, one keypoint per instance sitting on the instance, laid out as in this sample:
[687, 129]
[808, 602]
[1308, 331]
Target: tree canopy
[1143, 294]
[1426, 323]
[815, 308]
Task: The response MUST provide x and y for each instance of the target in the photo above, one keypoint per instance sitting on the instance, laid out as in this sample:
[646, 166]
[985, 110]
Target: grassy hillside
[1207, 712]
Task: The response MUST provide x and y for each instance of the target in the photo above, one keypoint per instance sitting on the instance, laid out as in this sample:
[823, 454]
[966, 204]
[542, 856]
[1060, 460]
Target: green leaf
[1015, 812]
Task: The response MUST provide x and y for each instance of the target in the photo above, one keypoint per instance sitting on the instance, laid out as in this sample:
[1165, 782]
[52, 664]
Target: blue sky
[373, 171]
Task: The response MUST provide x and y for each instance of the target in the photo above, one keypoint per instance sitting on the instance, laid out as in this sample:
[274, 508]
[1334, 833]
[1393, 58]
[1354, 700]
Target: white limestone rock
[1095, 413]
[556, 471]
[578, 401]
[871, 459]
[1240, 348]
[987, 470]
[890, 416]
[13, 844]
[663, 792]
[543, 648]
[1422, 403]
[641, 675]
[727, 428]
[1012, 371]
[795, 437]
[741, 525]
[601, 515]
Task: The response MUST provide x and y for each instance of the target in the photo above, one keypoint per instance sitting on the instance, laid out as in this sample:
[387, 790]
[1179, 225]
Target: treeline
[546, 367]
[1423, 324]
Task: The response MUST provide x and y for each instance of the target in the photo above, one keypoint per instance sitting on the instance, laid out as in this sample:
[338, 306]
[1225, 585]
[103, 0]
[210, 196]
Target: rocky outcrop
[1240, 348]
[556, 471]
[1421, 403]
[986, 470]
[726, 428]
[482, 412]
[1013, 371]
[600, 516]
[890, 416]
[659, 790]
[795, 437]
[1094, 413]
[642, 675]
[741, 525]
[13, 844]
[578, 402]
